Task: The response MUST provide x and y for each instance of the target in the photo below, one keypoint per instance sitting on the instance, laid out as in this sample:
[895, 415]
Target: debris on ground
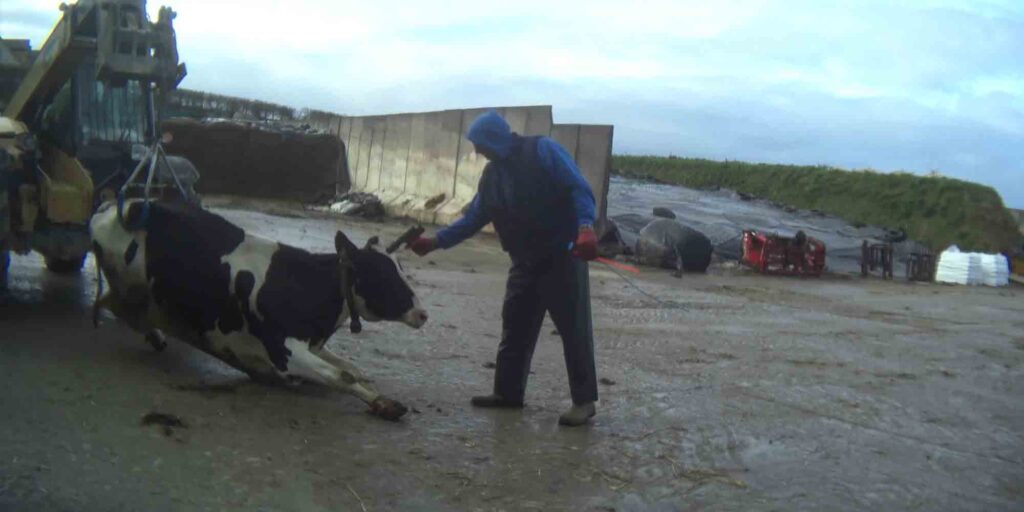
[162, 418]
[433, 202]
[358, 204]
[664, 213]
[607, 382]
[166, 420]
[490, 365]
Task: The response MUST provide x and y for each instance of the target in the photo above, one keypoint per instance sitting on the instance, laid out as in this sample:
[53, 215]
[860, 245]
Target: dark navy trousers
[558, 284]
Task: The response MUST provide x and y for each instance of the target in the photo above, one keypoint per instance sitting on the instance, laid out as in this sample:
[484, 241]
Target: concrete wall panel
[430, 176]
[365, 145]
[354, 147]
[395, 159]
[379, 129]
[517, 119]
[362, 140]
[568, 135]
[345, 131]
[539, 121]
[341, 178]
[594, 157]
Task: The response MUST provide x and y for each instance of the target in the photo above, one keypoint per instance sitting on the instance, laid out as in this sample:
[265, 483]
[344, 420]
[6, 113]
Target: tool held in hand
[411, 234]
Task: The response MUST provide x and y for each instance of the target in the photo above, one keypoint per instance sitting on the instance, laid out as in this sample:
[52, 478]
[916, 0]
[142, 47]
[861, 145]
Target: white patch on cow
[253, 255]
[364, 312]
[417, 316]
[247, 348]
[114, 239]
[306, 365]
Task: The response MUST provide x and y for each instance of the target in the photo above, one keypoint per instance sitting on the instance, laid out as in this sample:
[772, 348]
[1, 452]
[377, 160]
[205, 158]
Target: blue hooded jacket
[491, 132]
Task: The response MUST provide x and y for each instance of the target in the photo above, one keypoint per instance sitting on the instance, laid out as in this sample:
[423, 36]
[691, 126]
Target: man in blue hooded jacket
[543, 211]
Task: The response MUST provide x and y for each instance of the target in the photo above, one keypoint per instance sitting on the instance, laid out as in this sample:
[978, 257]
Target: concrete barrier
[594, 157]
[395, 158]
[430, 177]
[591, 148]
[568, 135]
[379, 133]
[421, 166]
[344, 174]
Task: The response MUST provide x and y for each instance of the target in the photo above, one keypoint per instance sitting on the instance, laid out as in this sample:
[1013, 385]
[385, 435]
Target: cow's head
[380, 291]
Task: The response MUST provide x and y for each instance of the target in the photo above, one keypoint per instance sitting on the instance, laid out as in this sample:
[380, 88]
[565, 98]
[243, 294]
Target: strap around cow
[348, 285]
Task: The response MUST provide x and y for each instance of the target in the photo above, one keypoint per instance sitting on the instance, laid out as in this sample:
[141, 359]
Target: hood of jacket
[490, 131]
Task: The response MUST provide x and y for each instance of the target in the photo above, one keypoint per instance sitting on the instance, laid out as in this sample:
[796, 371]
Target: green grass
[935, 210]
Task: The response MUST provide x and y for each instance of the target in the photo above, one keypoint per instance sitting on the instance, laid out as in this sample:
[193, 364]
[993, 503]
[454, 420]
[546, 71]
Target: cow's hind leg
[308, 365]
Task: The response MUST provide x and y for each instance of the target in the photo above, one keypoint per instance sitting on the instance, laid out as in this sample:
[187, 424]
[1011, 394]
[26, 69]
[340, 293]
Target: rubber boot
[577, 415]
[494, 400]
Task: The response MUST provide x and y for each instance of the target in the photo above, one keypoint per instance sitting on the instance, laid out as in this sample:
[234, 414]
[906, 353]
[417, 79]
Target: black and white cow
[263, 307]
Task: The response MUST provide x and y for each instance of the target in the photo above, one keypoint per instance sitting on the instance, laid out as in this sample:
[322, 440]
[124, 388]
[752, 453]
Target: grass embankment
[937, 211]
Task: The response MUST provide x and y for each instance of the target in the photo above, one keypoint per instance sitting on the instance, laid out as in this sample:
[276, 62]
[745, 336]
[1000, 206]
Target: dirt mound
[258, 161]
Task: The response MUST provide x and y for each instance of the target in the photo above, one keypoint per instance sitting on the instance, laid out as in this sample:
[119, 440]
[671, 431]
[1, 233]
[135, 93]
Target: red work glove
[586, 244]
[423, 246]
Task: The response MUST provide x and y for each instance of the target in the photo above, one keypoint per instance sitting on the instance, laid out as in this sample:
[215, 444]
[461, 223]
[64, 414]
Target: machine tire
[65, 266]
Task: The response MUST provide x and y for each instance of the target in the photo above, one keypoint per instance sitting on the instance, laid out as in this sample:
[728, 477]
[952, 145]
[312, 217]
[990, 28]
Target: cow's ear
[343, 245]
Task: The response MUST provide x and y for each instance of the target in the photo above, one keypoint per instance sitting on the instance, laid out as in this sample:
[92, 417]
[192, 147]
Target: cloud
[924, 85]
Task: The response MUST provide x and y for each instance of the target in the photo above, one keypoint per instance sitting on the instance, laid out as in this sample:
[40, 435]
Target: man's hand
[423, 246]
[586, 244]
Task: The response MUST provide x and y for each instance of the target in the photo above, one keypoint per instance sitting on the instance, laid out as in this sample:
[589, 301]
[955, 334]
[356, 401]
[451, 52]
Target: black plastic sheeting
[668, 244]
[722, 215]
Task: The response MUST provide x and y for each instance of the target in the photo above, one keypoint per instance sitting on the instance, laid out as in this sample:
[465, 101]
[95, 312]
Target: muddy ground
[736, 392]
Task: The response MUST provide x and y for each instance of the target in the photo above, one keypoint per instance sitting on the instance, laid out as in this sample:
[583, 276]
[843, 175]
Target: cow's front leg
[314, 367]
[340, 363]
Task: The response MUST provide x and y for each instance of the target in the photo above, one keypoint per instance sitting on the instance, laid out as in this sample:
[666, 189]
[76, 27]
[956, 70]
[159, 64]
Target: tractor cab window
[58, 122]
[111, 114]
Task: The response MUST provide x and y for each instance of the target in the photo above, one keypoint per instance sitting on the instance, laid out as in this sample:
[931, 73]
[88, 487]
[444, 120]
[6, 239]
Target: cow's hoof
[388, 409]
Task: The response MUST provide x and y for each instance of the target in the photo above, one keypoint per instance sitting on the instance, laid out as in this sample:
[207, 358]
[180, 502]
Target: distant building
[16, 56]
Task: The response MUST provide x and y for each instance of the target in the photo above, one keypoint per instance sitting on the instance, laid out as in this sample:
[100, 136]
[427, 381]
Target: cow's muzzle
[416, 317]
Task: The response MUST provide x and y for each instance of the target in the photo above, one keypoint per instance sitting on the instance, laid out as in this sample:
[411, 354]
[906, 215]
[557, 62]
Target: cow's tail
[99, 291]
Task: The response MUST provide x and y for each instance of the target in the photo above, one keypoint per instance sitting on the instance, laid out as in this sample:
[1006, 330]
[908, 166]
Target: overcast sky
[922, 86]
